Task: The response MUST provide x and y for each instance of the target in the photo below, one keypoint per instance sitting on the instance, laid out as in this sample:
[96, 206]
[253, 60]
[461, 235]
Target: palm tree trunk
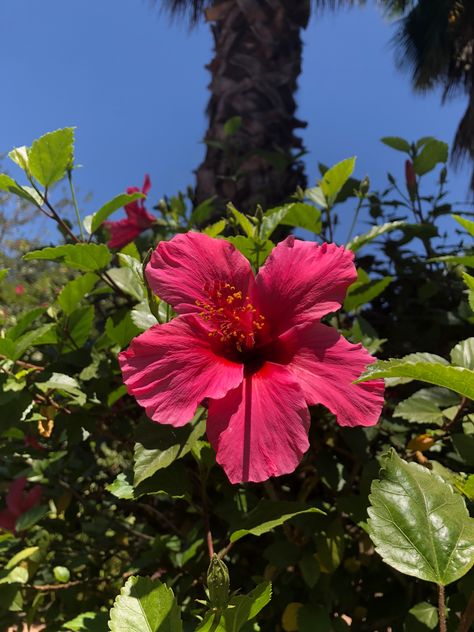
[255, 70]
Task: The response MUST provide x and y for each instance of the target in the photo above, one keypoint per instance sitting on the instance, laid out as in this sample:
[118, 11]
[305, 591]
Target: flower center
[232, 318]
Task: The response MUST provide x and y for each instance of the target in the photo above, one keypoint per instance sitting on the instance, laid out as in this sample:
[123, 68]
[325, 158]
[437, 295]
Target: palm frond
[191, 9]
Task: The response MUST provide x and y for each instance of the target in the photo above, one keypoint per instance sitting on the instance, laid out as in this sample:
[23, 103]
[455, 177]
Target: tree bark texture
[255, 69]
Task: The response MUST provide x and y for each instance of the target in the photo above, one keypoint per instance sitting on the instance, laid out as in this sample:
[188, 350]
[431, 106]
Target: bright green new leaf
[255, 252]
[20, 556]
[51, 156]
[456, 378]
[469, 281]
[74, 291]
[434, 152]
[26, 193]
[426, 614]
[3, 273]
[335, 178]
[242, 220]
[296, 214]
[84, 257]
[316, 195]
[19, 156]
[468, 224]
[93, 222]
[121, 487]
[267, 515]
[418, 524]
[145, 605]
[463, 354]
[395, 142]
[214, 230]
[361, 240]
[61, 574]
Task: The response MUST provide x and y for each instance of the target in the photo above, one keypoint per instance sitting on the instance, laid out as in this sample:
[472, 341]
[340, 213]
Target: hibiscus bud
[218, 582]
[410, 178]
[364, 186]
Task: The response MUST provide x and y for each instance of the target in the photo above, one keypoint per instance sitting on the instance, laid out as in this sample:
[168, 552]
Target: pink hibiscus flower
[18, 503]
[253, 348]
[138, 219]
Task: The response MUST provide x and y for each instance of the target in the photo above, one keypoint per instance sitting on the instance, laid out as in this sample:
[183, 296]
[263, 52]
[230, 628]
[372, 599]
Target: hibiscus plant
[208, 428]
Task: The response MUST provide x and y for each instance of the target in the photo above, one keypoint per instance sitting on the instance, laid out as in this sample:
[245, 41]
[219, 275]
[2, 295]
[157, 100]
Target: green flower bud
[218, 582]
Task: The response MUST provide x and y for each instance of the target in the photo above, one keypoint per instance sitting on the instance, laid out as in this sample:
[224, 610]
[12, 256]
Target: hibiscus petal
[260, 429]
[122, 232]
[15, 495]
[170, 369]
[8, 520]
[32, 498]
[325, 365]
[303, 281]
[182, 270]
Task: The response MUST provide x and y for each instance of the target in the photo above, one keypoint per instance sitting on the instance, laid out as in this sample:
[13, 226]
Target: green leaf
[463, 354]
[463, 260]
[20, 556]
[335, 178]
[203, 212]
[29, 339]
[361, 240]
[65, 384]
[11, 186]
[61, 574]
[426, 614]
[434, 152]
[418, 524]
[465, 223]
[93, 222]
[51, 156]
[142, 316]
[395, 142]
[215, 229]
[121, 487]
[255, 252]
[232, 125]
[158, 446]
[126, 280]
[87, 622]
[242, 220]
[172, 481]
[267, 515]
[19, 156]
[296, 214]
[84, 257]
[316, 195]
[426, 406]
[121, 332]
[30, 518]
[362, 292]
[456, 378]
[79, 325]
[145, 605]
[240, 611]
[74, 291]
[4, 273]
[469, 281]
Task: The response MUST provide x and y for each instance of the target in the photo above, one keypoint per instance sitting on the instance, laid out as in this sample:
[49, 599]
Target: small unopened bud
[364, 186]
[218, 583]
[259, 214]
[410, 178]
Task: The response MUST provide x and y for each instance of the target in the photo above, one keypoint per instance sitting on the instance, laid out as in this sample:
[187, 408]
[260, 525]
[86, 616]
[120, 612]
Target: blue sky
[134, 85]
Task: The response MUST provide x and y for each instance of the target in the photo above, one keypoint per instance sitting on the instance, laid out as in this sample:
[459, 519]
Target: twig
[25, 365]
[467, 618]
[441, 609]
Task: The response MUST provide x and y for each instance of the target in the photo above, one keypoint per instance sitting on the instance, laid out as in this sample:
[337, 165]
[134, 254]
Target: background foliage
[372, 531]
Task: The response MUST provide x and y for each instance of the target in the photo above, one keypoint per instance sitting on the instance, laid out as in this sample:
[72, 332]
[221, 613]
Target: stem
[74, 201]
[205, 515]
[468, 616]
[441, 609]
[354, 221]
[329, 223]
